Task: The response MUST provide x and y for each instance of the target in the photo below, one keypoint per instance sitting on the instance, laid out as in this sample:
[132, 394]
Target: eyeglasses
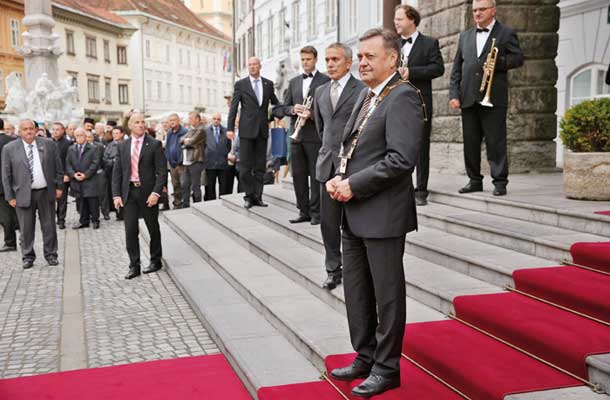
[480, 9]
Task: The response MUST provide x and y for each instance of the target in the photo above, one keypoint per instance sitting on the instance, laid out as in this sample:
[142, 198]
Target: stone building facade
[11, 28]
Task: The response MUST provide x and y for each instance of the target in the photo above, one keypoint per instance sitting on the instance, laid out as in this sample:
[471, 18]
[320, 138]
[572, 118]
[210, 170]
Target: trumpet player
[304, 149]
[472, 64]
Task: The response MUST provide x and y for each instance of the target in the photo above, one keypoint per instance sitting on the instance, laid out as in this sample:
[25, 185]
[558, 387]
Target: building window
[282, 26]
[147, 48]
[295, 23]
[331, 15]
[167, 52]
[259, 39]
[93, 89]
[198, 61]
[149, 94]
[199, 96]
[270, 36]
[70, 43]
[190, 93]
[74, 83]
[159, 90]
[589, 84]
[352, 18]
[311, 18]
[107, 91]
[107, 51]
[91, 44]
[15, 33]
[121, 55]
[181, 93]
[169, 91]
[188, 59]
[123, 93]
[180, 60]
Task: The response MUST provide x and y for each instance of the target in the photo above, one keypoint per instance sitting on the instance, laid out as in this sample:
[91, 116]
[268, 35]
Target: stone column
[531, 120]
[40, 45]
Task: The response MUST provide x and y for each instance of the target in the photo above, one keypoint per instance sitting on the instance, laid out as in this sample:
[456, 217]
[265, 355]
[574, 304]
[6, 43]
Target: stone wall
[532, 99]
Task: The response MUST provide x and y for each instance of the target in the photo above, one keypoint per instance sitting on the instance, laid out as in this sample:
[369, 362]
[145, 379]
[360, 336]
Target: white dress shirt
[342, 82]
[483, 36]
[379, 88]
[307, 85]
[259, 83]
[406, 49]
[39, 181]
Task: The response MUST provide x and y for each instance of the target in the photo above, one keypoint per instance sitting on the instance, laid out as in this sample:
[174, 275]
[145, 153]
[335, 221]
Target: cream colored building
[218, 13]
[96, 57]
[11, 28]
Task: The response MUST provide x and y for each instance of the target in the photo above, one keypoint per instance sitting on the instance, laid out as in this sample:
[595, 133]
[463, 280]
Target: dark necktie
[80, 152]
[480, 30]
[407, 40]
[31, 161]
[364, 110]
[216, 135]
[309, 75]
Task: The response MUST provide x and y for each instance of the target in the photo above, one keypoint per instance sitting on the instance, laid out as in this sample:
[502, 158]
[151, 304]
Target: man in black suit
[32, 175]
[380, 148]
[479, 121]
[424, 62]
[333, 106]
[253, 93]
[8, 218]
[59, 137]
[138, 178]
[216, 162]
[304, 150]
[82, 164]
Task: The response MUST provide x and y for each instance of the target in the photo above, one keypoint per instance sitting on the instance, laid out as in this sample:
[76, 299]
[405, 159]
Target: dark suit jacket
[63, 145]
[88, 165]
[216, 154]
[608, 76]
[294, 95]
[330, 124]
[425, 63]
[16, 176]
[4, 139]
[467, 72]
[380, 170]
[152, 168]
[253, 119]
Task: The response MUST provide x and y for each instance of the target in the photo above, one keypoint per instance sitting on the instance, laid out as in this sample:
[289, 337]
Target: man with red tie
[138, 178]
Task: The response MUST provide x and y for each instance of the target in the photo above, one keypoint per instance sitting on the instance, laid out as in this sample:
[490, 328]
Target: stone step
[258, 353]
[427, 283]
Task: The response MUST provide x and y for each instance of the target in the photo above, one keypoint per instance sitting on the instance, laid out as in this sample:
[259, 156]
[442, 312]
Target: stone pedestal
[586, 176]
[531, 121]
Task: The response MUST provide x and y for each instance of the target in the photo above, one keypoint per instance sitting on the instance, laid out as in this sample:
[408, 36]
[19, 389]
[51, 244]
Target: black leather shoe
[350, 373]
[332, 280]
[28, 264]
[259, 203]
[96, 225]
[152, 268]
[61, 225]
[6, 248]
[499, 191]
[106, 217]
[133, 272]
[315, 221]
[80, 226]
[52, 261]
[421, 198]
[247, 204]
[299, 219]
[471, 187]
[376, 384]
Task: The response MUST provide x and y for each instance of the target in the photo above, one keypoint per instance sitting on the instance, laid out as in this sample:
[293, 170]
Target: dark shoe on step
[28, 264]
[421, 198]
[332, 280]
[376, 384]
[61, 225]
[152, 268]
[499, 191]
[315, 221]
[96, 225]
[107, 217]
[247, 204]
[471, 187]
[6, 248]
[350, 373]
[80, 226]
[299, 219]
[52, 261]
[259, 203]
[134, 271]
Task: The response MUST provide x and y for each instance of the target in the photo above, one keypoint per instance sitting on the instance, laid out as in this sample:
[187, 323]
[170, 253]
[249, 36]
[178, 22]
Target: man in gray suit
[193, 148]
[32, 175]
[380, 148]
[333, 106]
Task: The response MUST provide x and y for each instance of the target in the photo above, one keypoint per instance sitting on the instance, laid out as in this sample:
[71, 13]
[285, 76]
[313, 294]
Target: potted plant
[585, 132]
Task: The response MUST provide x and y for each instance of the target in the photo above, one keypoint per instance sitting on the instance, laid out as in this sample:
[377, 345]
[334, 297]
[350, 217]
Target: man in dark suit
[32, 175]
[424, 62]
[8, 219]
[216, 162]
[59, 137]
[138, 178]
[333, 106]
[82, 164]
[479, 121]
[304, 150]
[193, 145]
[253, 93]
[380, 146]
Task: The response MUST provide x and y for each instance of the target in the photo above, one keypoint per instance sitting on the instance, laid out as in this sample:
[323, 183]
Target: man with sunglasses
[478, 121]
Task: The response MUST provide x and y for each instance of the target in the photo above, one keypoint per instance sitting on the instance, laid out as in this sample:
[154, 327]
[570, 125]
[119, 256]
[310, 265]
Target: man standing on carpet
[380, 148]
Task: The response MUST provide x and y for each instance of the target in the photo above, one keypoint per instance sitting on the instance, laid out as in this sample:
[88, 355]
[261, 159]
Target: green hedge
[585, 127]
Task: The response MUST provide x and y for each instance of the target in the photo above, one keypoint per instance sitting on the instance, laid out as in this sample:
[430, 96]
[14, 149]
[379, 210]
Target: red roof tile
[92, 8]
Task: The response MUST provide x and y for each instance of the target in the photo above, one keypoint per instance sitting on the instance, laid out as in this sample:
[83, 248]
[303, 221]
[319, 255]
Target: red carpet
[594, 255]
[190, 378]
[479, 366]
[602, 212]
[531, 324]
[575, 288]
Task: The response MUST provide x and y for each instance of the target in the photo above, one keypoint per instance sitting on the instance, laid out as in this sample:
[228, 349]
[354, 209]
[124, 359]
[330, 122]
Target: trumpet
[300, 120]
[488, 74]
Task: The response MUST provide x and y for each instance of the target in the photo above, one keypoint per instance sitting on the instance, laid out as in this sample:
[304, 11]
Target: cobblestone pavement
[146, 318]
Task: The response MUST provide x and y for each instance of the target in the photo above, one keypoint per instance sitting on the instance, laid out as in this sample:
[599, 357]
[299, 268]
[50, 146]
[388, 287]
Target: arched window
[589, 83]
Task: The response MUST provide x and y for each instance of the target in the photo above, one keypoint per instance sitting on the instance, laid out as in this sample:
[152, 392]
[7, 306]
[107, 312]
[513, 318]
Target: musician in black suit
[8, 218]
[253, 93]
[380, 144]
[138, 178]
[59, 137]
[424, 63]
[304, 150]
[333, 106]
[481, 122]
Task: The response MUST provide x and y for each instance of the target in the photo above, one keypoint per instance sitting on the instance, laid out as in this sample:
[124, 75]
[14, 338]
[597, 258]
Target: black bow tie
[309, 75]
[407, 40]
[479, 30]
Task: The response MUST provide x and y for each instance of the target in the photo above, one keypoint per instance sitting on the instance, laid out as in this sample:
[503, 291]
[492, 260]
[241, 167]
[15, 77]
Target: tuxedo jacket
[425, 63]
[380, 169]
[467, 73]
[152, 168]
[294, 95]
[254, 118]
[88, 164]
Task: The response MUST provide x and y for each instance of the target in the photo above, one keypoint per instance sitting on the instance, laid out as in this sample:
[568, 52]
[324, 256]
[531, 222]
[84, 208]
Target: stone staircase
[254, 279]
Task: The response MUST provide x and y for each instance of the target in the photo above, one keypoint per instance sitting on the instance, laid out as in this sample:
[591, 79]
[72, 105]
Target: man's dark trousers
[8, 220]
[89, 210]
[330, 226]
[134, 209]
[62, 204]
[253, 153]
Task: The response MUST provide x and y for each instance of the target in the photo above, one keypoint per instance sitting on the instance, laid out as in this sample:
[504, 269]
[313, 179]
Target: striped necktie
[31, 161]
[364, 110]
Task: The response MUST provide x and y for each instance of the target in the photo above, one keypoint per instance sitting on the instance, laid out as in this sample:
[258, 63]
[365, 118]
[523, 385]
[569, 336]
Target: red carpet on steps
[479, 366]
[572, 287]
[558, 336]
[190, 378]
[592, 254]
[602, 212]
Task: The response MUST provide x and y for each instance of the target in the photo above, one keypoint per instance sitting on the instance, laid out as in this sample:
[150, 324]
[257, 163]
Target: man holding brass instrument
[479, 86]
[304, 148]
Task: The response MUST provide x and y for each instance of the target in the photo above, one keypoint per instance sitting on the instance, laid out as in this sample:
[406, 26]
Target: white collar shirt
[406, 49]
[341, 82]
[483, 36]
[39, 181]
[307, 84]
[379, 88]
